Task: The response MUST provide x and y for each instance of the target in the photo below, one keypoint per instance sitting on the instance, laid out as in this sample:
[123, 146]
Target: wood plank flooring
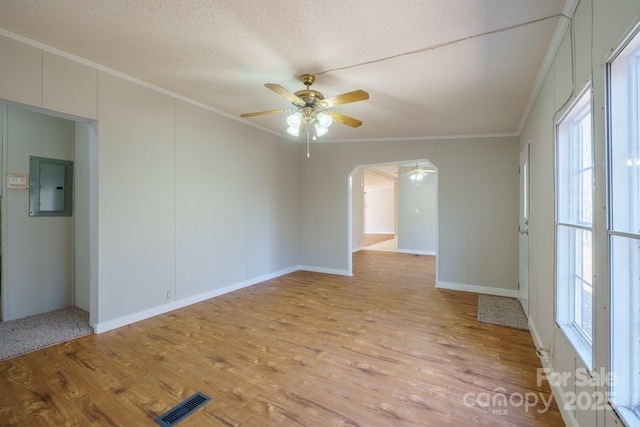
[372, 239]
[381, 348]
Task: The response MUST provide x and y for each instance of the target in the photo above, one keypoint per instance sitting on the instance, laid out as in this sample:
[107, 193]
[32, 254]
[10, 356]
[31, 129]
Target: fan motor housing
[309, 96]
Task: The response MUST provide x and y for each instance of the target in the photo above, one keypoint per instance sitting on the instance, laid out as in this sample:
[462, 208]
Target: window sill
[580, 346]
[629, 416]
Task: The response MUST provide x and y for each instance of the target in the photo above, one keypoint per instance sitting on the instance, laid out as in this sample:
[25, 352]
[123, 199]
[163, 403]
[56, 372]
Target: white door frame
[92, 208]
[524, 209]
[350, 211]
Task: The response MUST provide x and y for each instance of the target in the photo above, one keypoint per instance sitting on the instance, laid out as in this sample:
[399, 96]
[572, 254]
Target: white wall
[236, 202]
[184, 203]
[417, 214]
[358, 222]
[81, 215]
[208, 213]
[598, 26]
[272, 204]
[38, 251]
[477, 206]
[137, 198]
[203, 203]
[380, 210]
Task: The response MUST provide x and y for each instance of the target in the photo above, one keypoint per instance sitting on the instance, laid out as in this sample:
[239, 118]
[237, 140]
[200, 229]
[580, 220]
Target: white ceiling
[431, 67]
[380, 177]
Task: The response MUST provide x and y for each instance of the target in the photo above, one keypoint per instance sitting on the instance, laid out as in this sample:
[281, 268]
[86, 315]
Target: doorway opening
[393, 207]
[47, 262]
[381, 208]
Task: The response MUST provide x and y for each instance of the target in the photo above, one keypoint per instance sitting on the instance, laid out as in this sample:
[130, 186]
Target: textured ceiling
[431, 67]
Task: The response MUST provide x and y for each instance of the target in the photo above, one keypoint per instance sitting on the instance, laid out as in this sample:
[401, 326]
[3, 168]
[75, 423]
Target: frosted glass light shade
[324, 119]
[320, 130]
[294, 121]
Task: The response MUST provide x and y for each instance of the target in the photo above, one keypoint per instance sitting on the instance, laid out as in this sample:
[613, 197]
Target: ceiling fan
[417, 173]
[310, 108]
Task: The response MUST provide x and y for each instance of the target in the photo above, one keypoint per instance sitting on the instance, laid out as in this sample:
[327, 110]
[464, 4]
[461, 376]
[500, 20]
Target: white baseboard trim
[324, 270]
[534, 334]
[556, 389]
[414, 252]
[360, 248]
[381, 233]
[118, 322]
[558, 394]
[500, 292]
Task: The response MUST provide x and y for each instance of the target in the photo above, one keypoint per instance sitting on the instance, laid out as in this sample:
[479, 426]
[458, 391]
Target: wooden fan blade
[345, 98]
[285, 93]
[345, 120]
[260, 113]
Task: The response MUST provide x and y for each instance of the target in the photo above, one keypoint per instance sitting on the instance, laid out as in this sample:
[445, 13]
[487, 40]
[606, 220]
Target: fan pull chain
[308, 155]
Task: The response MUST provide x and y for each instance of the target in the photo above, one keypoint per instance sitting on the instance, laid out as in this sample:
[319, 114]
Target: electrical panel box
[51, 189]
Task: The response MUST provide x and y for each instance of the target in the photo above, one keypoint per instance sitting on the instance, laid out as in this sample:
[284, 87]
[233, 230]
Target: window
[623, 184]
[574, 226]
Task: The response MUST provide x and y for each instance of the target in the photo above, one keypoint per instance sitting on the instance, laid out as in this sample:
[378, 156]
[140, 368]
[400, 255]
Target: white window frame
[625, 318]
[567, 302]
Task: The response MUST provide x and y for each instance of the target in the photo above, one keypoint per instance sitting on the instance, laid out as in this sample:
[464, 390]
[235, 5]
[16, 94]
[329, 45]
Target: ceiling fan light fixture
[321, 130]
[324, 119]
[294, 121]
[309, 115]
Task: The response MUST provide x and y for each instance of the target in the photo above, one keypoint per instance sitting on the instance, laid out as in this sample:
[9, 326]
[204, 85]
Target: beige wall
[417, 214]
[477, 206]
[358, 221]
[380, 211]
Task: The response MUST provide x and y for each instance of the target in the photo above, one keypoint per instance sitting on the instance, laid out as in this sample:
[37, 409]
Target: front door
[523, 229]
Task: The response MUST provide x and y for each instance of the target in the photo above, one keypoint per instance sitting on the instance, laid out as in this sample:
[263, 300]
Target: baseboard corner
[488, 290]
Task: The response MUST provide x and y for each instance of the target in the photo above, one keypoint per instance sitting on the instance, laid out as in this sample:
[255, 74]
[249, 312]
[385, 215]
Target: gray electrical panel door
[51, 190]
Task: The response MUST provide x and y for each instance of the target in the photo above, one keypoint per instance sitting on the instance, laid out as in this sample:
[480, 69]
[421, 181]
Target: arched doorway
[415, 210]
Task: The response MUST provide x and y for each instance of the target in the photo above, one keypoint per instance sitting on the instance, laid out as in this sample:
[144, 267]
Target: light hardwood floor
[381, 348]
[372, 239]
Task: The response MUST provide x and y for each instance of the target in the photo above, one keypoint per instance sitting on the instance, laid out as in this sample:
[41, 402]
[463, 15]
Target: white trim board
[324, 270]
[556, 389]
[63, 54]
[118, 322]
[108, 325]
[414, 252]
[489, 290]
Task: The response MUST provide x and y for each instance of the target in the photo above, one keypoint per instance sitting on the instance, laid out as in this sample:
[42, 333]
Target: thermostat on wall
[18, 181]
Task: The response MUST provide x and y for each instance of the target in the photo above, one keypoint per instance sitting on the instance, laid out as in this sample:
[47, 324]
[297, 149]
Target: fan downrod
[309, 96]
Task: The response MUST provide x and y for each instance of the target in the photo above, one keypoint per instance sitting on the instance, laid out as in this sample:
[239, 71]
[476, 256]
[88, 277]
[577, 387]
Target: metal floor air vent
[183, 410]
